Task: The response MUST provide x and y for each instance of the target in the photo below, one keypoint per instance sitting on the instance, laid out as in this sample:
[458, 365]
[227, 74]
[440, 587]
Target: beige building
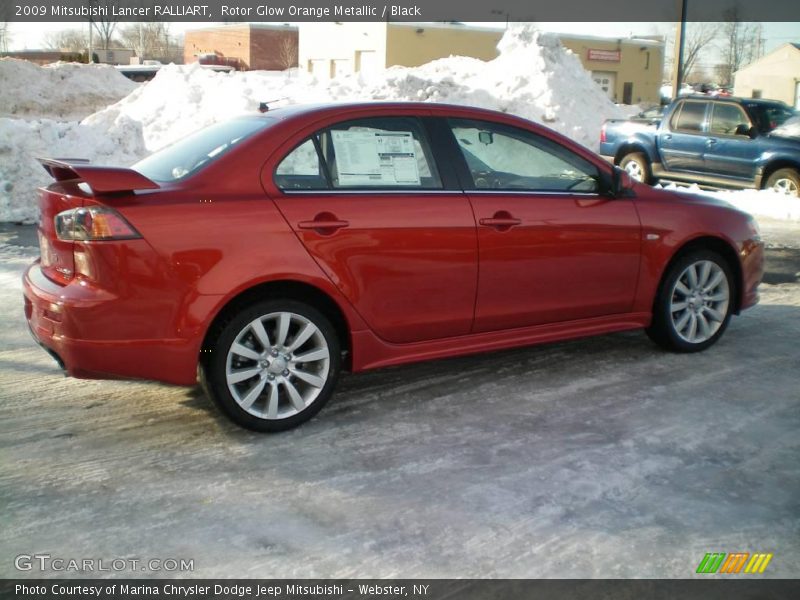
[628, 70]
[775, 76]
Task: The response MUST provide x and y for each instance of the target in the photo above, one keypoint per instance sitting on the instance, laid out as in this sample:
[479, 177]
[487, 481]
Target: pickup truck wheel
[637, 166]
[785, 181]
[694, 303]
[273, 365]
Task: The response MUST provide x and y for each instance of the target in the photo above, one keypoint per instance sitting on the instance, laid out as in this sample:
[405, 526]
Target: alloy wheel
[786, 186]
[699, 301]
[277, 365]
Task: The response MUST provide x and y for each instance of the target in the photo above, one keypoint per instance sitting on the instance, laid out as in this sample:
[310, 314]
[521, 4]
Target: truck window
[726, 118]
[690, 117]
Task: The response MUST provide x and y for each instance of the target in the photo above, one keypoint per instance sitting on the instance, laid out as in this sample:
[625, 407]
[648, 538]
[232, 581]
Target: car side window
[690, 118]
[501, 157]
[727, 118]
[381, 152]
[301, 169]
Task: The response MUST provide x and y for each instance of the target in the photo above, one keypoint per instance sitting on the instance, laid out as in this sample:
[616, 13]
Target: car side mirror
[621, 183]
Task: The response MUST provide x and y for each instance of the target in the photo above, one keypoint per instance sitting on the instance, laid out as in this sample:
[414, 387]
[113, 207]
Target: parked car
[275, 250]
[718, 142]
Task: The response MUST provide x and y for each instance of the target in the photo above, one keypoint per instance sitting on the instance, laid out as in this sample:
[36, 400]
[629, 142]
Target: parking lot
[603, 457]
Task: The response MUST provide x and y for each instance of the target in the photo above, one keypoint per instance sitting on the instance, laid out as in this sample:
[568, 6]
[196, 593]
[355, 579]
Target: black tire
[786, 181]
[637, 162]
[275, 371]
[663, 329]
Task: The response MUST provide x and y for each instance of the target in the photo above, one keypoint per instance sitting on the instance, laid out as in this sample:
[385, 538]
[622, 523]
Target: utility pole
[680, 38]
[90, 58]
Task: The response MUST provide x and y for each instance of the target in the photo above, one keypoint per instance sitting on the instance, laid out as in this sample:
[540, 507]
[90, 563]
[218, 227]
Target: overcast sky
[31, 35]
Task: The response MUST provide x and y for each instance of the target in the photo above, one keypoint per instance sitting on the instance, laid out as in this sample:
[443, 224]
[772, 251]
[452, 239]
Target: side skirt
[371, 352]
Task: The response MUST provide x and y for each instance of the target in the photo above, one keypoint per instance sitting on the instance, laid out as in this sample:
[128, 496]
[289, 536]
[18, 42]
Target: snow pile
[58, 91]
[534, 77]
[117, 141]
[759, 203]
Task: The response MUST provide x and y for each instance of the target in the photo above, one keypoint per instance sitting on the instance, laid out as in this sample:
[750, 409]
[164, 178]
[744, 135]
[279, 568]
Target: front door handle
[502, 221]
[324, 223]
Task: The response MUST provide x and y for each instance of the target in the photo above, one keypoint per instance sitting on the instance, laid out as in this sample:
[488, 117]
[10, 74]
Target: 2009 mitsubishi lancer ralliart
[274, 250]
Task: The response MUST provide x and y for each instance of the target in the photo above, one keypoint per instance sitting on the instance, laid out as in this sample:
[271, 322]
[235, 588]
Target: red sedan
[274, 250]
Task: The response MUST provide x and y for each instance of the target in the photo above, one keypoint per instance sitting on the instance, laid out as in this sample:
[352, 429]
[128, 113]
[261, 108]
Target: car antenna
[264, 106]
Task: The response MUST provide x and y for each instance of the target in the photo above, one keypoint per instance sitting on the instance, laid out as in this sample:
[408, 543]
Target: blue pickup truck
[714, 142]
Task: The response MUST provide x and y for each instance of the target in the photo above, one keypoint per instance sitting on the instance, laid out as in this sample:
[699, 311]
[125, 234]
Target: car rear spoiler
[100, 179]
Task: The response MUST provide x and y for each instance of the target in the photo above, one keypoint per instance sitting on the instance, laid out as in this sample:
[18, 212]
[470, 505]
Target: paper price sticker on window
[369, 158]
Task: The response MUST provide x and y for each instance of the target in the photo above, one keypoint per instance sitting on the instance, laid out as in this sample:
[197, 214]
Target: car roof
[739, 99]
[323, 109]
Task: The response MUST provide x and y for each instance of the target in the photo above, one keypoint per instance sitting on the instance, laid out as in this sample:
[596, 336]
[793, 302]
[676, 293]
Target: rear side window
[377, 153]
[198, 149]
[690, 117]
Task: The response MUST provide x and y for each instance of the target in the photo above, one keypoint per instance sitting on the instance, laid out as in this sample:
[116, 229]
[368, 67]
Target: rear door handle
[502, 221]
[323, 223]
[710, 142]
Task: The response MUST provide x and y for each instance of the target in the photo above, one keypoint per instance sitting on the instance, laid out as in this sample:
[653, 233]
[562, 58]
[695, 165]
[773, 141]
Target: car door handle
[502, 221]
[667, 136]
[711, 142]
[323, 223]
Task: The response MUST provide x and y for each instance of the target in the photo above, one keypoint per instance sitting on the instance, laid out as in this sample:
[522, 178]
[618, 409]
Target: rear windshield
[198, 149]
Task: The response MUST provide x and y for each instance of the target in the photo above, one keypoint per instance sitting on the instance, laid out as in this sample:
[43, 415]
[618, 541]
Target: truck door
[682, 141]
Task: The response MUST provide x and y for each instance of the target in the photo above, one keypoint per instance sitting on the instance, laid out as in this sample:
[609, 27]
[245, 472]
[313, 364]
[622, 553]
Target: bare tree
[741, 45]
[287, 52]
[701, 37]
[152, 41]
[5, 36]
[67, 40]
[104, 29]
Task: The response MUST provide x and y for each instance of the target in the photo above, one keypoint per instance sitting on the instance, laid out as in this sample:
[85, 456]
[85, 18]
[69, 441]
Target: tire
[708, 303]
[254, 371]
[637, 166]
[785, 181]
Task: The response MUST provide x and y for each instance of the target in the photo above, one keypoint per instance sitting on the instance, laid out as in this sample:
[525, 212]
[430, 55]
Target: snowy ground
[596, 458]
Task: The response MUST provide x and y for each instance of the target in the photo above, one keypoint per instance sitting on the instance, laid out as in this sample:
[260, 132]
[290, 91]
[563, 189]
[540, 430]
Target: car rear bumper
[56, 312]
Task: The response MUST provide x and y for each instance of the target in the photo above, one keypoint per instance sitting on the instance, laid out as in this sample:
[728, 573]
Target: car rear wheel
[637, 166]
[785, 181]
[274, 365]
[694, 303]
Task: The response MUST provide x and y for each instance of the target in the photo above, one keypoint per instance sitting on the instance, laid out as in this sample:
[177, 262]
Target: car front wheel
[274, 365]
[694, 303]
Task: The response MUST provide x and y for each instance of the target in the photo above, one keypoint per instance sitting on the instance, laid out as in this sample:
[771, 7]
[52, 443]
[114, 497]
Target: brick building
[252, 46]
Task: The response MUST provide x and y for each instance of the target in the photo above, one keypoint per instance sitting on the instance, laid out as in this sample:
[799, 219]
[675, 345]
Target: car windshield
[771, 116]
[198, 149]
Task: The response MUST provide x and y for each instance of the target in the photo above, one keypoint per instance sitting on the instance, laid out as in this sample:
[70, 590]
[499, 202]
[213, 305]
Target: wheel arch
[714, 244]
[775, 165]
[289, 290]
[630, 147]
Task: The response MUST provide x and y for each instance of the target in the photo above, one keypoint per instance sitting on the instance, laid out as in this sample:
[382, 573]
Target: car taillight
[603, 134]
[93, 223]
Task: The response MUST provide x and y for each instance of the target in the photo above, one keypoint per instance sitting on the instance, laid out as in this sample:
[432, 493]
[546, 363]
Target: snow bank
[759, 203]
[58, 91]
[117, 141]
[533, 77]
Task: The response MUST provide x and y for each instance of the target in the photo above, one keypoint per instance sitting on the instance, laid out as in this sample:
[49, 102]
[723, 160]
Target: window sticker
[375, 158]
